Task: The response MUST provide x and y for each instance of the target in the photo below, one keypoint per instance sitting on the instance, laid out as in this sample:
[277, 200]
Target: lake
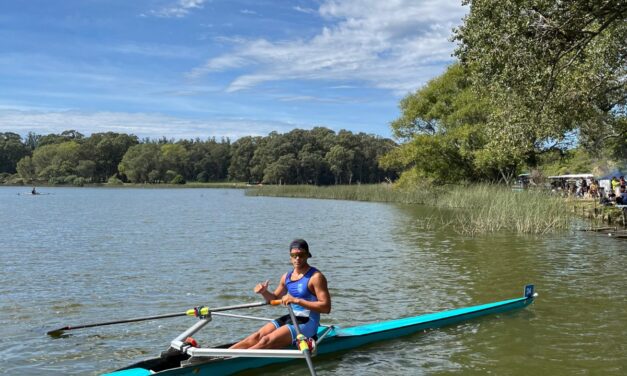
[83, 255]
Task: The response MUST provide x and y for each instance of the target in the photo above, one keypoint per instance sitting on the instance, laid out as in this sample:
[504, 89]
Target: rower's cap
[300, 244]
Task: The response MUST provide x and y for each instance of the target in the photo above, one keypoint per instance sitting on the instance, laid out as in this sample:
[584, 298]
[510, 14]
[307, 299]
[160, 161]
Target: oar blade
[58, 333]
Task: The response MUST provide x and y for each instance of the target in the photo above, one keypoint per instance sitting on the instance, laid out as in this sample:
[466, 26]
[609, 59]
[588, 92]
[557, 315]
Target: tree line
[318, 156]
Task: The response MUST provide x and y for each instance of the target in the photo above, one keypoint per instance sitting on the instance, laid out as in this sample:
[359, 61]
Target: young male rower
[305, 288]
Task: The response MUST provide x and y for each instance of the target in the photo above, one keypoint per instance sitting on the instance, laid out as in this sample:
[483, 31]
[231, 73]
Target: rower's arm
[278, 292]
[318, 285]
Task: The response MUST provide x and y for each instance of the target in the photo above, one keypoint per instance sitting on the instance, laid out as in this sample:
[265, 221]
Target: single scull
[184, 359]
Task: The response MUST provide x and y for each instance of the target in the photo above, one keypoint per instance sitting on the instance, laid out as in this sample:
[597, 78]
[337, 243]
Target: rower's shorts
[309, 328]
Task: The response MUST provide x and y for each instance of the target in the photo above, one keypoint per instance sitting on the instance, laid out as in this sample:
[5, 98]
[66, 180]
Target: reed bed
[479, 209]
[489, 209]
[357, 192]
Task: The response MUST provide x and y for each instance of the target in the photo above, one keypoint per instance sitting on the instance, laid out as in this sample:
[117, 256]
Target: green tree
[443, 125]
[340, 160]
[173, 158]
[311, 165]
[142, 164]
[242, 153]
[553, 69]
[106, 151]
[281, 171]
[11, 151]
[26, 169]
[86, 169]
[53, 162]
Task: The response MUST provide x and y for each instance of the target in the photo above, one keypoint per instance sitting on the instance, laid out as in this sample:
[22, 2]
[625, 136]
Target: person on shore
[582, 187]
[621, 199]
[615, 184]
[594, 189]
[305, 288]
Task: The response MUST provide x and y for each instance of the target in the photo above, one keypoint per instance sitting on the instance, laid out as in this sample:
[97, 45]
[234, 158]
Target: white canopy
[572, 176]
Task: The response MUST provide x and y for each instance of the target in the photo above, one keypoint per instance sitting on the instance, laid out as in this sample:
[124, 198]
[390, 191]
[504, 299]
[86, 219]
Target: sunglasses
[299, 254]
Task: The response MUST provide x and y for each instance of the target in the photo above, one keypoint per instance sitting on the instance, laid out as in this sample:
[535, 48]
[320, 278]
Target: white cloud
[179, 9]
[305, 10]
[394, 45]
[153, 125]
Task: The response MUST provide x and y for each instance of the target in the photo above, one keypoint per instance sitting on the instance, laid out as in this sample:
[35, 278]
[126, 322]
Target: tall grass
[491, 208]
[479, 209]
[357, 192]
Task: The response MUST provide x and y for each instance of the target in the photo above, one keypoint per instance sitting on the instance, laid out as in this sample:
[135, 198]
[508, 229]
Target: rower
[305, 288]
[34, 191]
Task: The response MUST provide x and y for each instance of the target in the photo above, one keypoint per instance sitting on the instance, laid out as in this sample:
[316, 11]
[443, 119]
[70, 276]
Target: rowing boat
[183, 359]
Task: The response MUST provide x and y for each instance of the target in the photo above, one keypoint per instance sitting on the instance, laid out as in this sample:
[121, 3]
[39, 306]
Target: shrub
[114, 180]
[178, 179]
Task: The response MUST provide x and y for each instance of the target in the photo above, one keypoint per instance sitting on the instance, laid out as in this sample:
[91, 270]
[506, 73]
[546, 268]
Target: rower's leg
[277, 339]
[254, 338]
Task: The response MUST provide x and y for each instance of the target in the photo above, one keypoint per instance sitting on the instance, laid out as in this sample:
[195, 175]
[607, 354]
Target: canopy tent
[572, 176]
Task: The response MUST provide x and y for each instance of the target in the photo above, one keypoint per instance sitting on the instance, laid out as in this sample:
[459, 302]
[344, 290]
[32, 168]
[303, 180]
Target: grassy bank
[480, 208]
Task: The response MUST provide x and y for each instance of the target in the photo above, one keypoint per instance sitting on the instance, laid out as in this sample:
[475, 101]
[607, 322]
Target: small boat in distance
[185, 358]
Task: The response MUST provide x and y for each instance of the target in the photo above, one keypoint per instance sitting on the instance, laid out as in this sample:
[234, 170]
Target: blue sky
[216, 68]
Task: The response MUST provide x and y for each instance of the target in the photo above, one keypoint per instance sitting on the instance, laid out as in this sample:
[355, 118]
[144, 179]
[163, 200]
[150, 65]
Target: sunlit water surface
[81, 255]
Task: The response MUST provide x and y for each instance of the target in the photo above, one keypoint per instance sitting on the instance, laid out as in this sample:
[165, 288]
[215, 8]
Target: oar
[202, 311]
[302, 342]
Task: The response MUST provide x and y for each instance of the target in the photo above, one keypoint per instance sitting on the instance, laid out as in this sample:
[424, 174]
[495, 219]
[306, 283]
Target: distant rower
[34, 191]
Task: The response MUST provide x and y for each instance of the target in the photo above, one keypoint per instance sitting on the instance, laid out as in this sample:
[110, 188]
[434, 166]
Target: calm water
[83, 255]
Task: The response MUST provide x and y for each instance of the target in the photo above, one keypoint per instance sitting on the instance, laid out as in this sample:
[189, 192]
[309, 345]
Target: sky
[184, 69]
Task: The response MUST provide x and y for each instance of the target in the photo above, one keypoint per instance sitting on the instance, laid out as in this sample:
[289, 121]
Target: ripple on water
[149, 252]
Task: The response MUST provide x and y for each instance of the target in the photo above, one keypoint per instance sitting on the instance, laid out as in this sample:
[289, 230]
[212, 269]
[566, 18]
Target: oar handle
[275, 302]
[302, 343]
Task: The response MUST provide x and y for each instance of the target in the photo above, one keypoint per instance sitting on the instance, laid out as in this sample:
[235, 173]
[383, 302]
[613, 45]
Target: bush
[79, 181]
[56, 180]
[114, 180]
[69, 179]
[178, 179]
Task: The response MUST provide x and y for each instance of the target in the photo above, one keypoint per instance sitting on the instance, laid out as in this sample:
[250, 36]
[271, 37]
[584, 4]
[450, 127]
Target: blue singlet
[310, 319]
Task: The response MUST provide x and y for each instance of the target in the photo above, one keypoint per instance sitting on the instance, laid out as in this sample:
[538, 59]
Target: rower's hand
[288, 299]
[262, 287]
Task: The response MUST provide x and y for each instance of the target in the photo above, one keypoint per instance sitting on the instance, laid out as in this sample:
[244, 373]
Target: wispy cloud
[178, 10]
[305, 10]
[142, 125]
[392, 45]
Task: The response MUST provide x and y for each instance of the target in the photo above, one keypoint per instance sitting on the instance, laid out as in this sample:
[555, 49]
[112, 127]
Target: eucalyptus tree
[242, 152]
[281, 171]
[12, 149]
[312, 165]
[340, 160]
[52, 138]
